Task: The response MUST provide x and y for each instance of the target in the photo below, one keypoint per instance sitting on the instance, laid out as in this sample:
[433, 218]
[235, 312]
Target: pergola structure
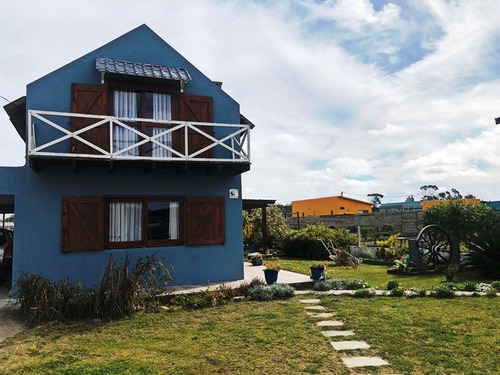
[250, 204]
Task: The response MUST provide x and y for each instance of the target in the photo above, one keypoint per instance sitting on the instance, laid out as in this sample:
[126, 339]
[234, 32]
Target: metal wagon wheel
[435, 245]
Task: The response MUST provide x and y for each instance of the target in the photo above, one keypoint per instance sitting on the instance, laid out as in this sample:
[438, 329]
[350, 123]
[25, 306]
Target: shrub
[270, 292]
[444, 291]
[397, 292]
[118, 294]
[496, 285]
[392, 284]
[305, 243]
[364, 293]
[354, 284]
[492, 293]
[339, 284]
[469, 286]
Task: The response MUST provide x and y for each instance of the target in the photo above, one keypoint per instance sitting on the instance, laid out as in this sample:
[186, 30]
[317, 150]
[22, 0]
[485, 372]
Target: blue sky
[347, 96]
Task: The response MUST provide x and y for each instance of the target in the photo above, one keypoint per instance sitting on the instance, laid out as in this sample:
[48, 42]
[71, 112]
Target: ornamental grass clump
[120, 292]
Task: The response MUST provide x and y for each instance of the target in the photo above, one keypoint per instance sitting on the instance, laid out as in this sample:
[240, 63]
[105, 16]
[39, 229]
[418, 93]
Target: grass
[421, 335]
[275, 337]
[425, 335]
[376, 276]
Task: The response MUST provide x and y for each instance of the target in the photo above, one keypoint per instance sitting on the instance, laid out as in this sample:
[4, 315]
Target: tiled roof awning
[141, 69]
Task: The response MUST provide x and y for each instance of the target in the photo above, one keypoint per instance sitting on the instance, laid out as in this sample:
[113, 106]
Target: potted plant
[271, 272]
[257, 260]
[317, 271]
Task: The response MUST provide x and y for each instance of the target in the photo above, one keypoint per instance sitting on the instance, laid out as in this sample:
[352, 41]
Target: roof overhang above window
[106, 65]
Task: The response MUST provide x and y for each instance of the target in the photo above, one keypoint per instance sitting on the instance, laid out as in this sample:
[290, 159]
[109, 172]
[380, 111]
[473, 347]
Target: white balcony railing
[53, 134]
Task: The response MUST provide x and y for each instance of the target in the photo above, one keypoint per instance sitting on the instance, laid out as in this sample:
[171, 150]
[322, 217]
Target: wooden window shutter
[197, 108]
[82, 223]
[89, 100]
[205, 220]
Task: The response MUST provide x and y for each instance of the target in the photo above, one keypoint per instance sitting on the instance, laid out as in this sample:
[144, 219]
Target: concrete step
[349, 345]
[321, 315]
[337, 333]
[330, 323]
[317, 307]
[364, 361]
[311, 300]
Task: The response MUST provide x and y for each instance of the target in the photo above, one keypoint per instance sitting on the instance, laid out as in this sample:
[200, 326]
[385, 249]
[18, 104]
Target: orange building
[427, 204]
[336, 205]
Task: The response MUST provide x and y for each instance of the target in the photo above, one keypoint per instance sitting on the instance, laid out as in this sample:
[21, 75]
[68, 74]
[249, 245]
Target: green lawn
[417, 336]
[376, 276]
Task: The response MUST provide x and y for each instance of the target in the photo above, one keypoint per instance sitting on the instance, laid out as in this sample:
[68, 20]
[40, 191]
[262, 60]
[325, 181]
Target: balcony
[83, 140]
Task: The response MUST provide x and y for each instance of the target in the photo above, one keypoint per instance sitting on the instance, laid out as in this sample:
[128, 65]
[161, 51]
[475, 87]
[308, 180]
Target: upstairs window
[130, 104]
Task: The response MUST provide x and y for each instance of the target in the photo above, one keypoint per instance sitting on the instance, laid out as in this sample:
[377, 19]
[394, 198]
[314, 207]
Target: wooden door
[89, 100]
[197, 108]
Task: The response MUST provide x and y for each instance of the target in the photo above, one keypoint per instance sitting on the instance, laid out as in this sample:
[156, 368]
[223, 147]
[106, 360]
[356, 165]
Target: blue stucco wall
[39, 194]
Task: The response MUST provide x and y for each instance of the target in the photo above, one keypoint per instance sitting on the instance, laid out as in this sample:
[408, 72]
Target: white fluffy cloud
[347, 96]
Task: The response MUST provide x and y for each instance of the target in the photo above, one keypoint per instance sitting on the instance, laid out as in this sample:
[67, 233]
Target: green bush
[469, 286]
[444, 291]
[364, 293]
[304, 243]
[397, 292]
[339, 284]
[392, 284]
[496, 285]
[270, 292]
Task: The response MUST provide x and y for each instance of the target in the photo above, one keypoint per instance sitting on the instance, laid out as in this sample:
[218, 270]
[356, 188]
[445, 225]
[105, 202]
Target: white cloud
[329, 118]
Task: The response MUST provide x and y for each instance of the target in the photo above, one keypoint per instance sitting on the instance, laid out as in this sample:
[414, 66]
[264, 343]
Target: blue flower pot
[270, 276]
[317, 272]
[256, 262]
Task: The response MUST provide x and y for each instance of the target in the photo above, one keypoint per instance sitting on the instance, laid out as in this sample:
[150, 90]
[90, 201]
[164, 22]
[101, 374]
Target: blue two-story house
[129, 149]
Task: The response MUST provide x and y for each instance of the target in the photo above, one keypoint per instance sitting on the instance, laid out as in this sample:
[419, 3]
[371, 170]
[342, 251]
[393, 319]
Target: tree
[478, 228]
[432, 193]
[276, 227]
[376, 198]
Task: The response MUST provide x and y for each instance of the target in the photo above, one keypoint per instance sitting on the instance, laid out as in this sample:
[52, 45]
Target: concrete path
[297, 280]
[338, 338]
[10, 320]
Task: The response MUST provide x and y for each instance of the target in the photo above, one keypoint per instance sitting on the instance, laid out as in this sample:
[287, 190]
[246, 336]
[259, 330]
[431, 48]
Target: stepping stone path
[312, 306]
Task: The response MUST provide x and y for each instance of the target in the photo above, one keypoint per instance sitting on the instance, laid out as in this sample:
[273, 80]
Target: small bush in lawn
[492, 293]
[496, 285]
[469, 286]
[444, 291]
[398, 292]
[282, 291]
[364, 293]
[392, 284]
[354, 284]
[270, 292]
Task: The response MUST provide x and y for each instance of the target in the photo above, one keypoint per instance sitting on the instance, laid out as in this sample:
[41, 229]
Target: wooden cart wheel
[434, 245]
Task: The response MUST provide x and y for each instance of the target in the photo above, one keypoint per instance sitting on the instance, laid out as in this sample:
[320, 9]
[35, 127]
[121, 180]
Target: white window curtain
[125, 222]
[174, 221]
[125, 106]
[162, 110]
